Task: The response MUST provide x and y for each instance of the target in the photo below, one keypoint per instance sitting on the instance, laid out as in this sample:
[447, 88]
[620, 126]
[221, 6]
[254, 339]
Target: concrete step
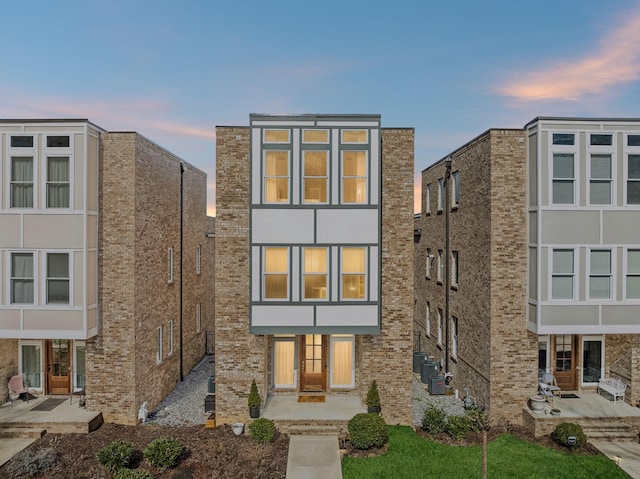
[314, 430]
[21, 432]
[610, 431]
[607, 426]
[311, 427]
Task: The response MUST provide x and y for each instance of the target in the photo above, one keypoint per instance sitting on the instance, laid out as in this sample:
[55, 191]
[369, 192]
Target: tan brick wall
[488, 230]
[387, 357]
[8, 365]
[140, 220]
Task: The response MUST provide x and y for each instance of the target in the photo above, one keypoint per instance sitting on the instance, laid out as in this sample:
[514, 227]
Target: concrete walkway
[11, 447]
[314, 457]
[625, 454]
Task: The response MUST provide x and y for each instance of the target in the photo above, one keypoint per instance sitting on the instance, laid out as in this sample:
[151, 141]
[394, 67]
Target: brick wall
[8, 365]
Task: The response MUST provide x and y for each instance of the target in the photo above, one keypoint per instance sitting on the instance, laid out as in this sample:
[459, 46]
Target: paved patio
[591, 405]
[336, 407]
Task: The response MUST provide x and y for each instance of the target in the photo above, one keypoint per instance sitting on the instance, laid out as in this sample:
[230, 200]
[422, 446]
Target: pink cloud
[616, 61]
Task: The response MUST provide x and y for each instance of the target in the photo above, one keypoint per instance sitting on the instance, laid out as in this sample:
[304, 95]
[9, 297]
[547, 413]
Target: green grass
[411, 456]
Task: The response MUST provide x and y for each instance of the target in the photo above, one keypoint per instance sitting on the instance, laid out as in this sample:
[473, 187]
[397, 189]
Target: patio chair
[550, 380]
[18, 387]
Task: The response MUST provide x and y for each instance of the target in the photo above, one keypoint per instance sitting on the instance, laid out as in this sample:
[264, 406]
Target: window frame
[276, 177]
[170, 337]
[306, 274]
[38, 344]
[593, 275]
[562, 180]
[344, 177]
[440, 326]
[455, 190]
[285, 339]
[306, 177]
[170, 261]
[68, 183]
[335, 338]
[265, 274]
[159, 341]
[428, 263]
[345, 130]
[49, 278]
[32, 278]
[440, 271]
[635, 181]
[560, 275]
[32, 182]
[455, 273]
[608, 180]
[628, 275]
[198, 259]
[428, 319]
[364, 274]
[265, 131]
[427, 200]
[198, 317]
[309, 142]
[440, 205]
[454, 336]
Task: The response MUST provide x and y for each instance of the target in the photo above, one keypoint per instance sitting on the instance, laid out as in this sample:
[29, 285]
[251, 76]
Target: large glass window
[563, 138]
[354, 136]
[353, 273]
[315, 176]
[276, 273]
[276, 136]
[354, 176]
[315, 273]
[600, 274]
[79, 369]
[562, 276]
[58, 182]
[600, 185]
[32, 364]
[342, 360]
[564, 353]
[440, 194]
[22, 141]
[440, 325]
[563, 178]
[633, 179]
[315, 136]
[601, 139]
[276, 179]
[58, 278]
[591, 361]
[58, 141]
[440, 276]
[543, 357]
[21, 182]
[22, 278]
[454, 268]
[427, 200]
[633, 274]
[454, 336]
[284, 362]
[455, 191]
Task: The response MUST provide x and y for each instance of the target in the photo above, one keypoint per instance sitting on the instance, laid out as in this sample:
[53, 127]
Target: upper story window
[600, 182]
[198, 317]
[429, 260]
[22, 278]
[563, 139]
[354, 176]
[563, 178]
[170, 338]
[159, 345]
[58, 278]
[600, 274]
[353, 273]
[170, 265]
[562, 274]
[22, 182]
[454, 336]
[315, 136]
[633, 179]
[198, 259]
[455, 191]
[454, 269]
[440, 194]
[315, 176]
[633, 274]
[427, 319]
[633, 140]
[440, 326]
[354, 136]
[276, 178]
[440, 266]
[58, 141]
[600, 139]
[58, 186]
[315, 273]
[22, 141]
[427, 200]
[276, 273]
[276, 136]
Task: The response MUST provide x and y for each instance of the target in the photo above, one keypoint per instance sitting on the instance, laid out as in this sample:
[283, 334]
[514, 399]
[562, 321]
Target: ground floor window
[31, 363]
[284, 362]
[592, 355]
[342, 359]
[79, 377]
[543, 356]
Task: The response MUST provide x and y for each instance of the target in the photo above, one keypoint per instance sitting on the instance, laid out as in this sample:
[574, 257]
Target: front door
[565, 361]
[58, 366]
[313, 363]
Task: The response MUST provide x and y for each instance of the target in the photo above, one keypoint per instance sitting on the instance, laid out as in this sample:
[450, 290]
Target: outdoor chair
[18, 387]
[550, 380]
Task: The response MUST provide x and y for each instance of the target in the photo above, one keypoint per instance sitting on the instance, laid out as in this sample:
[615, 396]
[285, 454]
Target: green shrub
[434, 420]
[458, 427]
[367, 431]
[124, 473]
[163, 452]
[254, 397]
[29, 463]
[479, 419]
[262, 430]
[373, 397]
[116, 455]
[562, 432]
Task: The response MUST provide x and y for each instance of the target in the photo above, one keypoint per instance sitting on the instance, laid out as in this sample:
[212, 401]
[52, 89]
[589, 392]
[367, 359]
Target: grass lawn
[411, 456]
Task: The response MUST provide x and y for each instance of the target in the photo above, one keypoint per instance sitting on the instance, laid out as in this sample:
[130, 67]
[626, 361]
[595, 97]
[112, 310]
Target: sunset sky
[173, 70]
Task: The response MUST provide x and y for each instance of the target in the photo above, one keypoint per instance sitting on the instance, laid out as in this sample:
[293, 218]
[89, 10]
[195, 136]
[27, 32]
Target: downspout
[181, 258]
[447, 261]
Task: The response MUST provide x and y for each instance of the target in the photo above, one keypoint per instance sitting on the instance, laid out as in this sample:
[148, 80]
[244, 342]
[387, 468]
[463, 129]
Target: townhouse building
[103, 279]
[314, 281]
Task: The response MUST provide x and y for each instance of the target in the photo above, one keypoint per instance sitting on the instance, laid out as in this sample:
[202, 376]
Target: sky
[174, 70]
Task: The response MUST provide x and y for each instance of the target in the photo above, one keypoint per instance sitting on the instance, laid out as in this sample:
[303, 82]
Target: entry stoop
[21, 432]
[328, 427]
[610, 432]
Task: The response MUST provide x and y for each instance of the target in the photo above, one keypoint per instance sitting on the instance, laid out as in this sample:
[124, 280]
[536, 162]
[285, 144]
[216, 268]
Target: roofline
[50, 120]
[577, 118]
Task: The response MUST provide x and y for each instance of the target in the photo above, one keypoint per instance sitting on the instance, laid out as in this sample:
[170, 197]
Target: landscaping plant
[562, 432]
[163, 452]
[458, 427]
[367, 431]
[373, 397]
[434, 419]
[262, 430]
[29, 463]
[116, 455]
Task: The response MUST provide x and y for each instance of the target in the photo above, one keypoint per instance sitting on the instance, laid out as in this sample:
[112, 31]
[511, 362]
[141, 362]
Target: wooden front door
[58, 366]
[313, 363]
[564, 368]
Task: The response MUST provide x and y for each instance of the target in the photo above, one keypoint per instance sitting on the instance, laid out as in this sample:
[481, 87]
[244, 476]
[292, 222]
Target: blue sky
[173, 70]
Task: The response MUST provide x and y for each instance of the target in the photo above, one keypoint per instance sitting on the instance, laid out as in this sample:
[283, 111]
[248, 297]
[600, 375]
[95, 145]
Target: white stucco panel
[357, 226]
[282, 226]
[356, 315]
[282, 315]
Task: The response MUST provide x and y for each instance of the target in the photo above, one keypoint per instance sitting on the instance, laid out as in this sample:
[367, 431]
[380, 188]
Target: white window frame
[23, 153]
[292, 339]
[199, 259]
[159, 340]
[440, 326]
[198, 317]
[455, 190]
[572, 180]
[365, 273]
[265, 274]
[334, 338]
[454, 336]
[608, 275]
[74, 385]
[631, 151]
[68, 278]
[170, 337]
[428, 263]
[266, 130]
[39, 344]
[365, 142]
[455, 272]
[266, 177]
[545, 339]
[440, 194]
[9, 259]
[325, 274]
[594, 338]
[170, 265]
[304, 130]
[440, 272]
[427, 200]
[344, 177]
[572, 275]
[69, 181]
[609, 180]
[325, 177]
[627, 275]
[428, 320]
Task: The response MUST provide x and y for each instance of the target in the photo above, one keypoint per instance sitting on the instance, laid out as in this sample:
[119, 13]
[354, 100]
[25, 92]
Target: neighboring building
[541, 269]
[92, 283]
[314, 281]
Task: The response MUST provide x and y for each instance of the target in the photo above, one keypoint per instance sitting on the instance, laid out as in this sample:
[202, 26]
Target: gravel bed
[184, 406]
[422, 399]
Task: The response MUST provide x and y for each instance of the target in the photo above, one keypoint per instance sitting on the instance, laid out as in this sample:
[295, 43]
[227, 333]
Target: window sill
[439, 212]
[454, 287]
[440, 346]
[454, 359]
[454, 208]
[428, 278]
[439, 282]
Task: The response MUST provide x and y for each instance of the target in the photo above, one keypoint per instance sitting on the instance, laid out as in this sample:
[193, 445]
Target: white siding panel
[282, 316]
[374, 174]
[255, 273]
[335, 274]
[334, 179]
[282, 226]
[295, 169]
[374, 271]
[365, 315]
[348, 226]
[295, 273]
[256, 159]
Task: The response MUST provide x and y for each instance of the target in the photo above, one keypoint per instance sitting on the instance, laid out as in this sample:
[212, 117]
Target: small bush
[458, 427]
[163, 452]
[116, 455]
[479, 419]
[373, 397]
[262, 430]
[124, 473]
[434, 420]
[367, 431]
[28, 463]
[254, 397]
[562, 432]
